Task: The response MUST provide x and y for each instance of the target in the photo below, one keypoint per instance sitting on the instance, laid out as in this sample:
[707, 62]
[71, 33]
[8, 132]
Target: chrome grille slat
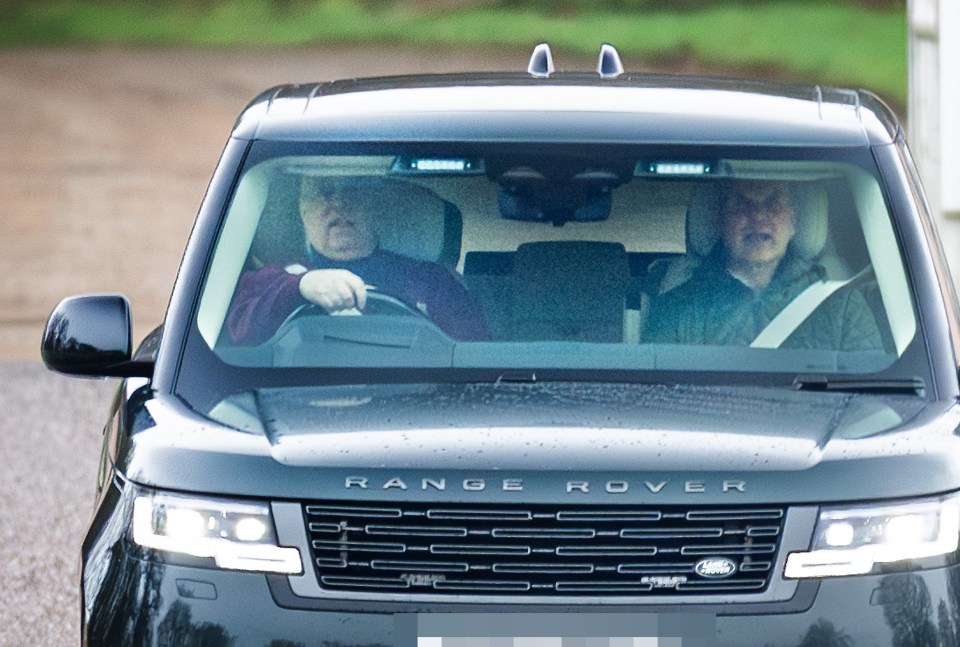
[352, 511]
[669, 533]
[543, 568]
[474, 515]
[466, 549]
[365, 582]
[544, 550]
[419, 566]
[326, 528]
[607, 550]
[478, 585]
[416, 531]
[545, 533]
[333, 544]
[603, 587]
[733, 515]
[607, 515]
[739, 585]
[655, 569]
[331, 562]
[748, 567]
[729, 549]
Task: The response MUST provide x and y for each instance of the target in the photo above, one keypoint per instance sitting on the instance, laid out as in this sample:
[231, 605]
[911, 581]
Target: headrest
[409, 219]
[810, 206]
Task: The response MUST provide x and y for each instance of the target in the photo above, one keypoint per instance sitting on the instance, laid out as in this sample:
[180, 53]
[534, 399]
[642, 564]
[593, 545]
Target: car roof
[569, 108]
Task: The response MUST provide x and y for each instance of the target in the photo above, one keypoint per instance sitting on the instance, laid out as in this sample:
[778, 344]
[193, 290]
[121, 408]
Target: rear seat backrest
[489, 278]
[570, 290]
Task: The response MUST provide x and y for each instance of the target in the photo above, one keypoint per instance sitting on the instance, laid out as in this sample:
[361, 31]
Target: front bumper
[129, 601]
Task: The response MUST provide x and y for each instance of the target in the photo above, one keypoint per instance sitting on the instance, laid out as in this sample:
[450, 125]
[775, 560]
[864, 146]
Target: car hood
[593, 441]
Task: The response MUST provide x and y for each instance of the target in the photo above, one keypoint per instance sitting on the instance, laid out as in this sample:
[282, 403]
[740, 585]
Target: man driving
[750, 276]
[343, 262]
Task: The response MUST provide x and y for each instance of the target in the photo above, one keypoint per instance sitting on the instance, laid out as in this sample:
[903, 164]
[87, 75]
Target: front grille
[544, 550]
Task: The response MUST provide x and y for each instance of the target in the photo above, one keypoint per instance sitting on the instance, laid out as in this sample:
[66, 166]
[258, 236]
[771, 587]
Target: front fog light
[852, 541]
[238, 536]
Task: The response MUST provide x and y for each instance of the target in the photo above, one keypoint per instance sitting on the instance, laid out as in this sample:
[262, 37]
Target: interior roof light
[437, 165]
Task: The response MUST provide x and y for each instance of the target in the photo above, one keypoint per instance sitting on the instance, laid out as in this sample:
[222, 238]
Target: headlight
[235, 535]
[853, 540]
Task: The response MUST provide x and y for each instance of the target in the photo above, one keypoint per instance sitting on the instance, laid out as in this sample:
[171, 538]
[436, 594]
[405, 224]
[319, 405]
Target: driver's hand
[334, 290]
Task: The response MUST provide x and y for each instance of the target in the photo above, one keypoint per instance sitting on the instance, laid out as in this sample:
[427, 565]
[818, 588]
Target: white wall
[923, 93]
[950, 107]
[934, 99]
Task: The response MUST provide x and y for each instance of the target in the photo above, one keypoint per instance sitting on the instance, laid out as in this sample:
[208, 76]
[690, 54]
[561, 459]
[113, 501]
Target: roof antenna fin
[541, 62]
[609, 65]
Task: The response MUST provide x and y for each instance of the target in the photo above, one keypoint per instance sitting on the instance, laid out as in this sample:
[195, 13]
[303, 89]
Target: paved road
[49, 443]
[104, 157]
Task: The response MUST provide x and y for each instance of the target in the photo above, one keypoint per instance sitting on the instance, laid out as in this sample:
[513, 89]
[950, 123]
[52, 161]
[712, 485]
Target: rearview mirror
[528, 195]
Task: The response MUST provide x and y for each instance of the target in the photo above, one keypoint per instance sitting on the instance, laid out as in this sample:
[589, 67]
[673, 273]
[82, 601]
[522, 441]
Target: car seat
[811, 205]
[412, 221]
[703, 232]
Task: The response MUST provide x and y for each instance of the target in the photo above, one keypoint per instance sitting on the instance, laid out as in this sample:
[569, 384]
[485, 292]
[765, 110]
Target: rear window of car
[577, 257]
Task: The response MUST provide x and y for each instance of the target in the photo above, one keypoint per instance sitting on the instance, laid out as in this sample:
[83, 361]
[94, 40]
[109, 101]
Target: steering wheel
[381, 303]
[378, 303]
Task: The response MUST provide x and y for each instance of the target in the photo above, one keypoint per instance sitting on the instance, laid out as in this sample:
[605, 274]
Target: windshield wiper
[910, 385]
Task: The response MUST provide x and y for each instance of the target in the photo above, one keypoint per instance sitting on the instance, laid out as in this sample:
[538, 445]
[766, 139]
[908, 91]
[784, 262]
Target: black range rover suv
[544, 355]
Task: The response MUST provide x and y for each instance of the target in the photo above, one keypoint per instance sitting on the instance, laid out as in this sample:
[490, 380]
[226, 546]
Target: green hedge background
[840, 42]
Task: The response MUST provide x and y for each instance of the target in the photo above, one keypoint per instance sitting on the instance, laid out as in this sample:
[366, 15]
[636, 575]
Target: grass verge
[827, 42]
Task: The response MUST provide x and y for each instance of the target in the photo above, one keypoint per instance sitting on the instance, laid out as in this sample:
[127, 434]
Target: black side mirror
[90, 336]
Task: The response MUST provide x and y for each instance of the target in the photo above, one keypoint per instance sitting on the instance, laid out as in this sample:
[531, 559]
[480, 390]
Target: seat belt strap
[796, 312]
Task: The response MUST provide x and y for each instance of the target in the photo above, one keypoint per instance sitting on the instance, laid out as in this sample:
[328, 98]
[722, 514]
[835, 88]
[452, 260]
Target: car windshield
[566, 258]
